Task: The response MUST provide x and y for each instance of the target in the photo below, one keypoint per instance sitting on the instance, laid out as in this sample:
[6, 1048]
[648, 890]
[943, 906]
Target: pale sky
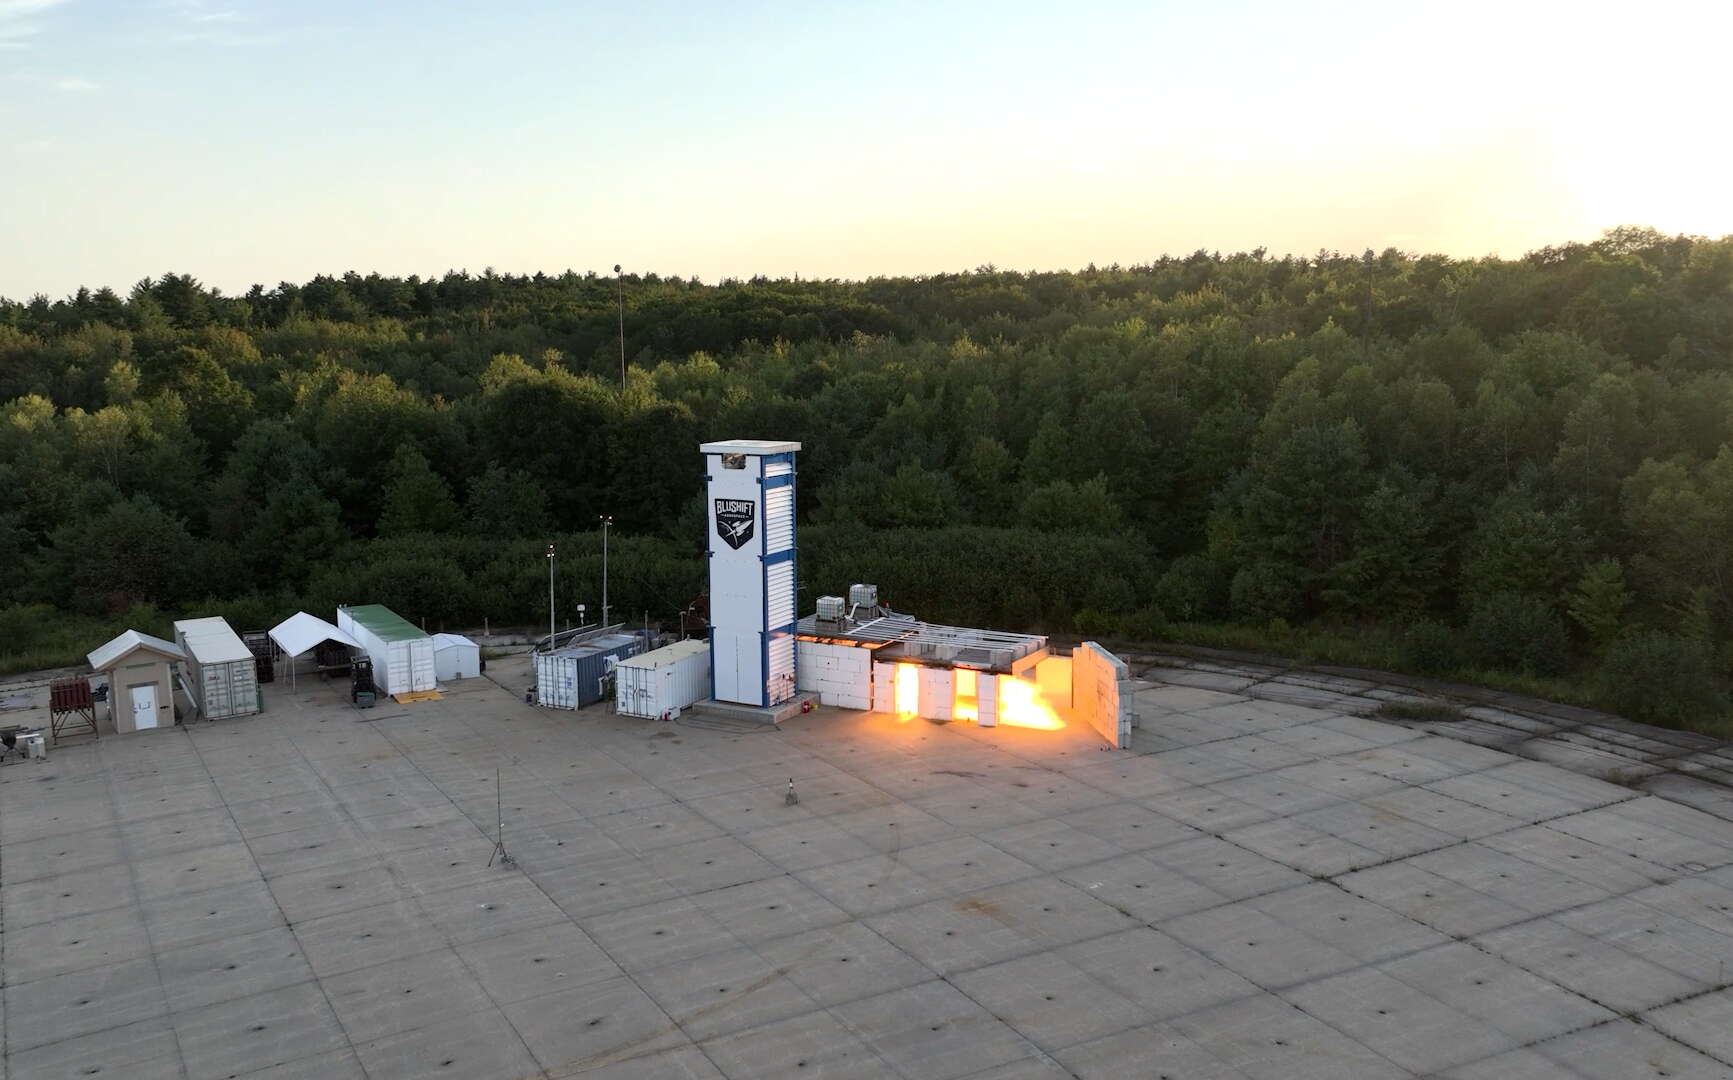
[245, 140]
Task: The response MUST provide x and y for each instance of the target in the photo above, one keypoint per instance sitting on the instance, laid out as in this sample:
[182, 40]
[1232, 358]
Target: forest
[1512, 471]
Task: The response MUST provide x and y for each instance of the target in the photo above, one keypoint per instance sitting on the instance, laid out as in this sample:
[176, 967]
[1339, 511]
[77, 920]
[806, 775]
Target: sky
[246, 141]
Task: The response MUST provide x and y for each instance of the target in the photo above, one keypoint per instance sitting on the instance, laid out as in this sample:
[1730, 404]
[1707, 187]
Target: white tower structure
[750, 547]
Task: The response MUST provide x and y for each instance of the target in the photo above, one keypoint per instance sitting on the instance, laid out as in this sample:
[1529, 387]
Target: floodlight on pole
[607, 521]
[551, 627]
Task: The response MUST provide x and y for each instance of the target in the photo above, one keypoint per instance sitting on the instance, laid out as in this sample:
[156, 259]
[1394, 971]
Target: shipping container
[455, 657]
[221, 672]
[664, 681]
[402, 654]
[577, 675]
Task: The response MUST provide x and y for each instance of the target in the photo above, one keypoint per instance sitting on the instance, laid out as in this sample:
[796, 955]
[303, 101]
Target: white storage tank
[455, 657]
[402, 654]
[221, 675]
[663, 681]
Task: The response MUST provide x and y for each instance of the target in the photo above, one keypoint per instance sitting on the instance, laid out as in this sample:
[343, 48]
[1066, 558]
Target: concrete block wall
[1100, 693]
[840, 675]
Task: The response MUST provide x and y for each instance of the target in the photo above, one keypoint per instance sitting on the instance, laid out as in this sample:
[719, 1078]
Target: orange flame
[908, 690]
[1022, 705]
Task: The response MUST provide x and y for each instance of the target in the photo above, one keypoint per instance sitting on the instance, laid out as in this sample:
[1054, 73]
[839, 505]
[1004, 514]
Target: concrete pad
[1128, 827]
[82, 941]
[604, 883]
[1142, 889]
[1417, 1032]
[1624, 1050]
[213, 915]
[357, 939]
[1615, 872]
[336, 1065]
[400, 995]
[1604, 974]
[1265, 1038]
[528, 963]
[650, 828]
[685, 1063]
[310, 894]
[867, 886]
[1523, 1006]
[1050, 1001]
[1208, 810]
[724, 992]
[1517, 882]
[804, 845]
[1363, 930]
[1704, 1023]
[1251, 943]
[762, 910]
[1153, 1051]
[194, 871]
[709, 864]
[1224, 868]
[65, 896]
[602, 1023]
[641, 938]
[843, 963]
[263, 1030]
[1427, 898]
[81, 1002]
[53, 855]
[231, 967]
[1693, 950]
[1309, 850]
[191, 831]
[812, 1045]
[145, 1049]
[933, 1032]
[1156, 972]
[475, 1046]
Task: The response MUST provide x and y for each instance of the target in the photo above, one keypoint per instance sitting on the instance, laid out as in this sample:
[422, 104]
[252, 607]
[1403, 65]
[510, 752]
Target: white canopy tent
[301, 633]
[455, 657]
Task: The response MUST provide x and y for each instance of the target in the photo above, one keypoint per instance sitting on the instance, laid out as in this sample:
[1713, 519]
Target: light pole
[551, 628]
[607, 521]
[620, 295]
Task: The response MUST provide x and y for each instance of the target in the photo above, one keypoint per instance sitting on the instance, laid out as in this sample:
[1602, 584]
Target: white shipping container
[664, 680]
[402, 655]
[221, 674]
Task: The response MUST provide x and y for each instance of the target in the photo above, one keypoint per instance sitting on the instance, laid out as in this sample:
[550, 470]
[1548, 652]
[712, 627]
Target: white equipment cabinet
[664, 681]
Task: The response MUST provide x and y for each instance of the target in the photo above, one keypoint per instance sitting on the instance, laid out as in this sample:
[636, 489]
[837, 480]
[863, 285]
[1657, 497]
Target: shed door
[144, 706]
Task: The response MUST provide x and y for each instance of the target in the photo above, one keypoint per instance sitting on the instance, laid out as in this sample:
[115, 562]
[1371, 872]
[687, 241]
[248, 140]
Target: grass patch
[1426, 711]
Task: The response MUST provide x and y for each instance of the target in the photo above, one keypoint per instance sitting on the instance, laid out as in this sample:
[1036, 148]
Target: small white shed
[455, 657]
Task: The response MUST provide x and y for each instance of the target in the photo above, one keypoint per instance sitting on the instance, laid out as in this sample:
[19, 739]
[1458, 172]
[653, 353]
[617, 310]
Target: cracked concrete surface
[1271, 884]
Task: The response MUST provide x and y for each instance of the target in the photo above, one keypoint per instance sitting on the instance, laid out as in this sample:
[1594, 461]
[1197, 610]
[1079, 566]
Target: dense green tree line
[1522, 464]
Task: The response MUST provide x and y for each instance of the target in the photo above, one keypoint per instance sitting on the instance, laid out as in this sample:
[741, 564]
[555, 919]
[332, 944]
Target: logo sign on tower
[735, 520]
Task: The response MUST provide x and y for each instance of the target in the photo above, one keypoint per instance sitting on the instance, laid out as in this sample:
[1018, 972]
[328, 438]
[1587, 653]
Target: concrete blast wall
[1100, 693]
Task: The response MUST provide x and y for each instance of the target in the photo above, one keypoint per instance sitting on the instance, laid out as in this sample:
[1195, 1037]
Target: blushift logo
[735, 521]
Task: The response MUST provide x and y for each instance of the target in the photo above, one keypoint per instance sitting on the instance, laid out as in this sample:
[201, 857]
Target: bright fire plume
[1021, 705]
[908, 690]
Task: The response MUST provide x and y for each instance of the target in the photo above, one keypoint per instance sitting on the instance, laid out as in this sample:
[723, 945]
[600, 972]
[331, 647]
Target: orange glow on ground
[908, 690]
[1022, 705]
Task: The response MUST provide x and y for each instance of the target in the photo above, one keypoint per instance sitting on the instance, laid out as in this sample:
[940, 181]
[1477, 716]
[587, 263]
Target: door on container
[217, 695]
[422, 675]
[397, 668]
[143, 706]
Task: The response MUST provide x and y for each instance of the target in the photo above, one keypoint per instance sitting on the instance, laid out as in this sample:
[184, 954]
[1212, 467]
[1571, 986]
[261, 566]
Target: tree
[1599, 602]
[506, 502]
[132, 552]
[1062, 506]
[417, 498]
[1521, 548]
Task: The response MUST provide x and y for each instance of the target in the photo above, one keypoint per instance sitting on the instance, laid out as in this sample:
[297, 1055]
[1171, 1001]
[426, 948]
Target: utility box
[222, 674]
[662, 682]
[401, 652]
